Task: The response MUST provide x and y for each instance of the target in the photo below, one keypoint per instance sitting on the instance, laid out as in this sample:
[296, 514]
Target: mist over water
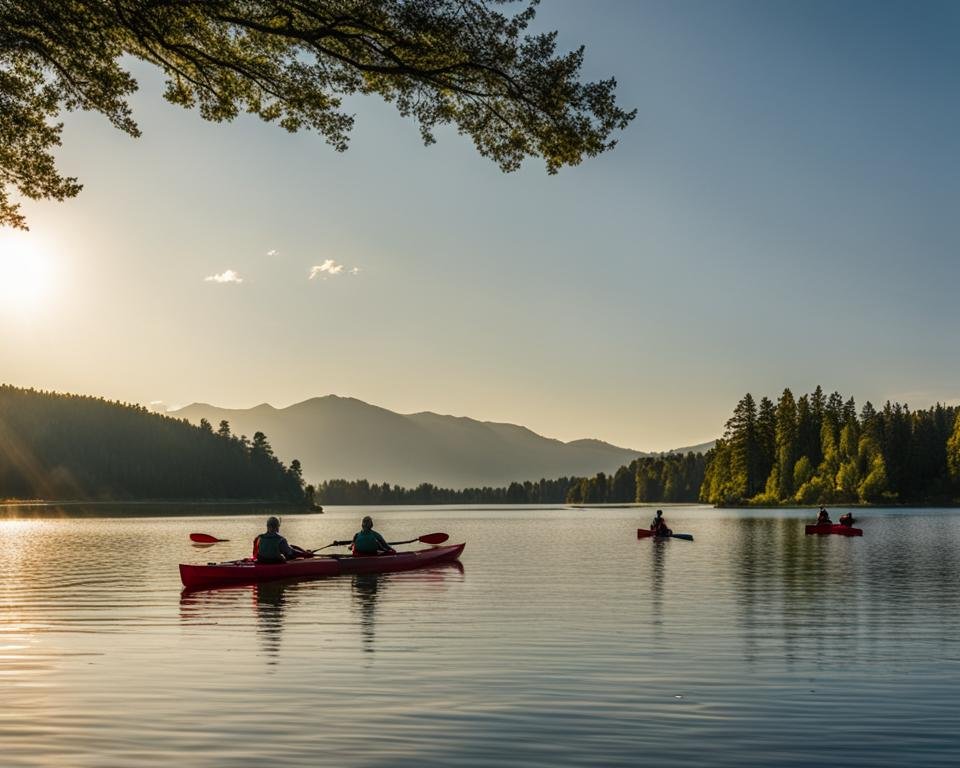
[562, 640]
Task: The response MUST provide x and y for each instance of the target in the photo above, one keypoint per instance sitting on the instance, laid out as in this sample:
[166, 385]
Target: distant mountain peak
[343, 437]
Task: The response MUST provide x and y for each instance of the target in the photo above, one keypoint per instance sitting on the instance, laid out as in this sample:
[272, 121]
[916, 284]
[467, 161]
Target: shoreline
[150, 502]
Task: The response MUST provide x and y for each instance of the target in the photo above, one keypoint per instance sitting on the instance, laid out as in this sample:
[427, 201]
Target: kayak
[644, 533]
[401, 561]
[250, 572]
[842, 530]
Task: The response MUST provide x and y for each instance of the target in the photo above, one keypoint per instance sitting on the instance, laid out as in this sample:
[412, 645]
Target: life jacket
[366, 543]
[266, 547]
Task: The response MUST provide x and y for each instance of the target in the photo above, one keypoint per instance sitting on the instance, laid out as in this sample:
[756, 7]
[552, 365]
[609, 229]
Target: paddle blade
[205, 538]
[644, 533]
[684, 536]
[434, 538]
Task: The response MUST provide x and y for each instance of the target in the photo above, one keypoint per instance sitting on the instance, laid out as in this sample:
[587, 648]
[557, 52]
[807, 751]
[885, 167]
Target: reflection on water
[365, 586]
[566, 641]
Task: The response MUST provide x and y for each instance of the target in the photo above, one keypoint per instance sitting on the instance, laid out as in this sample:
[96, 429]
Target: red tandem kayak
[842, 530]
[249, 572]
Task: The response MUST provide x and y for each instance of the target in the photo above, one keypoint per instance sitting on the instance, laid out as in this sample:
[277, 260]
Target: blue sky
[782, 212]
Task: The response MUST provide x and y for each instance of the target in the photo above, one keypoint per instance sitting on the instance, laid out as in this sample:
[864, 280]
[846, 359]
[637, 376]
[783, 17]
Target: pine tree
[743, 438]
[786, 445]
[953, 453]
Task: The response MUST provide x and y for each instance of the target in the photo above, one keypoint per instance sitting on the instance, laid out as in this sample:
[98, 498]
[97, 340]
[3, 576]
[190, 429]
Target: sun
[25, 273]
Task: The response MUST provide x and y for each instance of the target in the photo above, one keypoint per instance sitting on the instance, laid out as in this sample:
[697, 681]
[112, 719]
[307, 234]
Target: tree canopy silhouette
[457, 62]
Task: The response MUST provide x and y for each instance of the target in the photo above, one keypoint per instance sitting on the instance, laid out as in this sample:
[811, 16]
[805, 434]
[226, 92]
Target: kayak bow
[250, 572]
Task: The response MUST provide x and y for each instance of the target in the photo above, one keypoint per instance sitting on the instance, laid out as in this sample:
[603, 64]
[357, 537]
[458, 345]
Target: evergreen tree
[953, 453]
[743, 439]
[786, 445]
[767, 437]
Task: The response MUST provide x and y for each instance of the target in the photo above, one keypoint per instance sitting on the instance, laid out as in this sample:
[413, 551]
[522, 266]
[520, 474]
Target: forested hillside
[55, 446]
[818, 449]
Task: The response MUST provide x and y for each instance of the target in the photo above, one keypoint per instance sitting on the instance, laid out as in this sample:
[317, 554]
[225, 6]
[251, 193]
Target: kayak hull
[645, 533]
[402, 561]
[840, 530]
[249, 572]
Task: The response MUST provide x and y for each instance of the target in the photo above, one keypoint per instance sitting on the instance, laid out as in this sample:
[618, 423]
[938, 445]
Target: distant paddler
[847, 519]
[823, 517]
[271, 547]
[659, 525]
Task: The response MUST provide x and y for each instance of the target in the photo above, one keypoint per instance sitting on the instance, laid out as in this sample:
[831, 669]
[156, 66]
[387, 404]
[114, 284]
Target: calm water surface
[562, 641]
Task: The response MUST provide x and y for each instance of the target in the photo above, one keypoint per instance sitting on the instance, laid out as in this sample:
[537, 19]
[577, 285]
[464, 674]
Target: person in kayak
[846, 519]
[368, 542]
[271, 547]
[823, 518]
[659, 525]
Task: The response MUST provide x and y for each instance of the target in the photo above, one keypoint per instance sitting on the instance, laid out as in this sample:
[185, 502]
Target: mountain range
[342, 437]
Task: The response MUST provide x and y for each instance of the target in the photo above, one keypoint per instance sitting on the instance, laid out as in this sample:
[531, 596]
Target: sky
[782, 212]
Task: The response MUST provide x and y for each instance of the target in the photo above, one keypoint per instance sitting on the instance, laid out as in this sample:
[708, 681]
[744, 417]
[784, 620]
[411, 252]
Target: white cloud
[272, 252]
[227, 276]
[329, 267]
[355, 271]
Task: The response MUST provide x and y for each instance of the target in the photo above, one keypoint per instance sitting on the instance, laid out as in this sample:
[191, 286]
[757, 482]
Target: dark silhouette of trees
[441, 62]
[55, 446]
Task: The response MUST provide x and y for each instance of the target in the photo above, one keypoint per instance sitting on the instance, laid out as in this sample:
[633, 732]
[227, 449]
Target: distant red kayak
[250, 572]
[841, 530]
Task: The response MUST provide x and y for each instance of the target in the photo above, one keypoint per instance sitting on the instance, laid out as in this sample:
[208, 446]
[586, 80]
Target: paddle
[427, 538]
[205, 538]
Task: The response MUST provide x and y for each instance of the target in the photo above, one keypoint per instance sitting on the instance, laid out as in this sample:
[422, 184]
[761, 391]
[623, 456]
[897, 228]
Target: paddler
[659, 525]
[368, 542]
[271, 547]
[823, 518]
[847, 519]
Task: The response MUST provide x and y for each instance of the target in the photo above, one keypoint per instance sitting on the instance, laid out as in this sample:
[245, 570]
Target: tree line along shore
[815, 449]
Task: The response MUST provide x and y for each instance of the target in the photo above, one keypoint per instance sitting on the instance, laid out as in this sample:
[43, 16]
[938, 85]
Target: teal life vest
[367, 542]
[268, 547]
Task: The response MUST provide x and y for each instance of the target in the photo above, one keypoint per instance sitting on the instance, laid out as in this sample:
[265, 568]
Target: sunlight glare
[25, 273]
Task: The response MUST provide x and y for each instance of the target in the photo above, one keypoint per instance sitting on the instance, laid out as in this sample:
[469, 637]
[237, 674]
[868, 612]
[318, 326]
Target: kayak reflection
[275, 603]
[658, 563]
[367, 589]
[269, 603]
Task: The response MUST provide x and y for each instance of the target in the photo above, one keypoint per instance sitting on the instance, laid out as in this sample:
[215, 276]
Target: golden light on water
[27, 275]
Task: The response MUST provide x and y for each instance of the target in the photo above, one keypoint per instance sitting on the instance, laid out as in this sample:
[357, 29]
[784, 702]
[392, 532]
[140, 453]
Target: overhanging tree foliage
[456, 62]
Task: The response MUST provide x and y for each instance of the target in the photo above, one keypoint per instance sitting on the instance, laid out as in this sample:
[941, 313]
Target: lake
[562, 641]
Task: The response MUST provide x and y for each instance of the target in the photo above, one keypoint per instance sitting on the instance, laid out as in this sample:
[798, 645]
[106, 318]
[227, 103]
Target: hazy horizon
[780, 214]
